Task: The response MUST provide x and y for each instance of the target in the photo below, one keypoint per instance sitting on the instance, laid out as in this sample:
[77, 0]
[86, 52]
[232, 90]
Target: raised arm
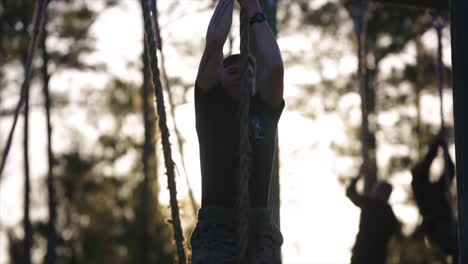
[352, 193]
[448, 163]
[270, 81]
[211, 65]
[422, 168]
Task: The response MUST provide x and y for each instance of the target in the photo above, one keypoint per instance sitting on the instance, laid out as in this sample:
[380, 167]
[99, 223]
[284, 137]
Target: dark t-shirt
[218, 129]
[435, 205]
[432, 198]
[376, 227]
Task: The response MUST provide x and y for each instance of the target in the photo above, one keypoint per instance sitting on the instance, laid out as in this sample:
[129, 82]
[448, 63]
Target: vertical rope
[180, 141]
[36, 35]
[358, 11]
[439, 24]
[152, 48]
[245, 147]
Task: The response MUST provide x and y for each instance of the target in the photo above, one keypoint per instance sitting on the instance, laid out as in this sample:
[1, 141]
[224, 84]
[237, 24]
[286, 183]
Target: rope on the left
[245, 147]
[152, 48]
[39, 13]
[180, 140]
[358, 12]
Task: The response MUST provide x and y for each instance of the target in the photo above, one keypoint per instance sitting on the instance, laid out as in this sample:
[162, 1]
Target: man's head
[382, 191]
[232, 74]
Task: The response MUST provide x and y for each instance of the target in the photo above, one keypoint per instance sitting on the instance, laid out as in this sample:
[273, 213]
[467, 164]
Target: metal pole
[433, 4]
[459, 9]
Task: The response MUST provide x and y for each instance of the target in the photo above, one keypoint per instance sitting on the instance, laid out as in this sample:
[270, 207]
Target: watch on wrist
[257, 17]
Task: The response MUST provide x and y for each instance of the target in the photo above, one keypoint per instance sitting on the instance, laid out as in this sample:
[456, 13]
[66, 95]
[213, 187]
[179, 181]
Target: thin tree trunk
[149, 162]
[150, 185]
[27, 63]
[27, 240]
[418, 88]
[52, 201]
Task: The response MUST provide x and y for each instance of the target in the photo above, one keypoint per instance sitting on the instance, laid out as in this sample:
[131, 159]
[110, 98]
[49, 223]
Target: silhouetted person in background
[433, 198]
[377, 224]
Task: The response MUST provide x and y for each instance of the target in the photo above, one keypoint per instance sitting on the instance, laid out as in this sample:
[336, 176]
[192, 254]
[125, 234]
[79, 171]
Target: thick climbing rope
[439, 24]
[39, 13]
[358, 11]
[152, 48]
[180, 141]
[245, 146]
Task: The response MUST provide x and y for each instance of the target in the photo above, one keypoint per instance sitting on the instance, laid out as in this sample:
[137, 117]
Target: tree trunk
[27, 241]
[149, 186]
[418, 88]
[52, 201]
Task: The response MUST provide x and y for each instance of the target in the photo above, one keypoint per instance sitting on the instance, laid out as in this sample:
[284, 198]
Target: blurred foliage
[100, 205]
[415, 249]
[67, 23]
[99, 219]
[390, 31]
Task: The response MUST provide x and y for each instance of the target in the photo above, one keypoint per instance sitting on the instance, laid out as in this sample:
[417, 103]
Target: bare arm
[353, 195]
[422, 168]
[270, 82]
[211, 65]
[449, 165]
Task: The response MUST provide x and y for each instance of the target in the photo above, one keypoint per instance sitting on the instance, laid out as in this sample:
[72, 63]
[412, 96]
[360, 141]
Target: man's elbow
[214, 43]
[275, 71]
[276, 67]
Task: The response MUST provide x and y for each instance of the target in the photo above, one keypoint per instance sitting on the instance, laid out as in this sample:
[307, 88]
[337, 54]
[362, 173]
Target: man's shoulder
[205, 96]
[206, 90]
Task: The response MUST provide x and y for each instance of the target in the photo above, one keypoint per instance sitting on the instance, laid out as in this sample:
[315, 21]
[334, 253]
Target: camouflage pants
[214, 238]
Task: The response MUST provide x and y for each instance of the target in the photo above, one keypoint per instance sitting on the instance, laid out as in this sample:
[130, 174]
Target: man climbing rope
[433, 199]
[217, 91]
[377, 224]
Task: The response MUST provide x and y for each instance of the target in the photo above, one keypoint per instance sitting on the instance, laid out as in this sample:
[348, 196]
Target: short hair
[384, 188]
[235, 58]
[387, 187]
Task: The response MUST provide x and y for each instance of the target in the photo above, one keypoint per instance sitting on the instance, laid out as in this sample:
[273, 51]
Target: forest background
[111, 199]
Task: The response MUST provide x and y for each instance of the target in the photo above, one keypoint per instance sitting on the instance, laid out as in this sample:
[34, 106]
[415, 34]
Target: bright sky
[319, 224]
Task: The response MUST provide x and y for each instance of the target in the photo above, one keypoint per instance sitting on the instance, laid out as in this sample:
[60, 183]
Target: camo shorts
[214, 239]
